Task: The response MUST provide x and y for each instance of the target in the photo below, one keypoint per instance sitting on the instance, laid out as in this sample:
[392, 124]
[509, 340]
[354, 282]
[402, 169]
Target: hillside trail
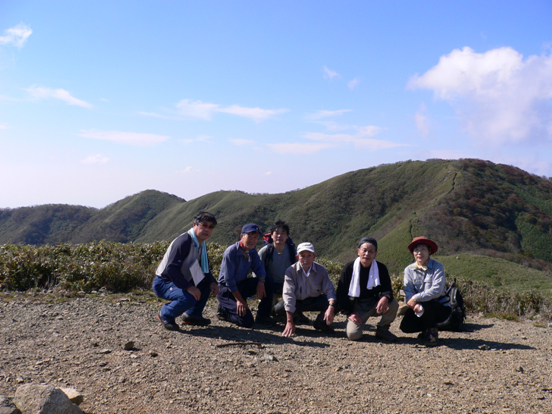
[496, 366]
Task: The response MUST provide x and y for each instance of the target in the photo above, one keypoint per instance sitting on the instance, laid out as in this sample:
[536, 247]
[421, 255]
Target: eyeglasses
[206, 225]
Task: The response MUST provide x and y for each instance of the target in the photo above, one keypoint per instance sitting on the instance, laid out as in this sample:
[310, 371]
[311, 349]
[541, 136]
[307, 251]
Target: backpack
[455, 320]
[270, 249]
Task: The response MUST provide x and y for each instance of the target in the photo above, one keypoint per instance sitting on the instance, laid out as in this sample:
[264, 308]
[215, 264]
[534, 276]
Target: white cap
[305, 246]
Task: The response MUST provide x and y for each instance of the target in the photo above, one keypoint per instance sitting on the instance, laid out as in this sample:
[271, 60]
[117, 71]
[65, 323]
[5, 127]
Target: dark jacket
[372, 296]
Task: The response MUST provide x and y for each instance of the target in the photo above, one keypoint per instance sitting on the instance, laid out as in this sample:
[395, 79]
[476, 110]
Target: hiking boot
[301, 319]
[171, 325]
[323, 327]
[432, 338]
[195, 320]
[386, 335]
[265, 320]
[422, 335]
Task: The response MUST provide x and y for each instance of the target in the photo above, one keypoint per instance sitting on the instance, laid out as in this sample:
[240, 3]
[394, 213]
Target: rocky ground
[497, 366]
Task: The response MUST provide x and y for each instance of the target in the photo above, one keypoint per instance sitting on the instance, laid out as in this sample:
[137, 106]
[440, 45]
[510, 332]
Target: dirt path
[498, 366]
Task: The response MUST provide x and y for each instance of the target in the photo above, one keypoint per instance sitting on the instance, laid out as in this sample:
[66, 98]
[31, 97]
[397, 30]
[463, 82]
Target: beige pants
[354, 331]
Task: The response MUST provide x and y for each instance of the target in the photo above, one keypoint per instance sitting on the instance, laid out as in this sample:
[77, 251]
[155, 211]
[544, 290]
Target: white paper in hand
[197, 273]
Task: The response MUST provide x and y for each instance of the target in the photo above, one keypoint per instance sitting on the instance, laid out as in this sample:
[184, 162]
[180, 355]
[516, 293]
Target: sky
[100, 100]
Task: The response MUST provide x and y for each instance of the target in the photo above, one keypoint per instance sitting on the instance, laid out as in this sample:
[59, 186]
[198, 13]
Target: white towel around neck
[373, 278]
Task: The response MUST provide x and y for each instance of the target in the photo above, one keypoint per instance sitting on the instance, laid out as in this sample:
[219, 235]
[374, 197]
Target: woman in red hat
[424, 288]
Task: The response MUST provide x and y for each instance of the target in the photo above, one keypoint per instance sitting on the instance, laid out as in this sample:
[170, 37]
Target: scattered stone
[44, 399]
[153, 354]
[7, 407]
[74, 396]
[484, 347]
[520, 369]
[105, 351]
[269, 357]
[128, 346]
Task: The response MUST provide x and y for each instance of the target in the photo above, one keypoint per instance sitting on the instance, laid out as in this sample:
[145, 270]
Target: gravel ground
[497, 366]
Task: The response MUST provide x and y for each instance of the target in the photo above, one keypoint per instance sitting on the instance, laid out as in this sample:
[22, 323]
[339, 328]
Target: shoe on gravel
[171, 325]
[195, 320]
[432, 338]
[386, 335]
[322, 326]
[265, 320]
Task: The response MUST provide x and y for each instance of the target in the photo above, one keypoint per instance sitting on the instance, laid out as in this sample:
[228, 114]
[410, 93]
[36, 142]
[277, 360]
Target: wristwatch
[333, 305]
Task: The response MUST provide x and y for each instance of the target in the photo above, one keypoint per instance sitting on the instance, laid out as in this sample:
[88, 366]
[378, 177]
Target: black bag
[455, 321]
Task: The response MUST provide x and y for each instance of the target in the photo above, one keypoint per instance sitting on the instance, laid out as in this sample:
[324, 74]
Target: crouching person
[424, 289]
[364, 290]
[307, 287]
[183, 276]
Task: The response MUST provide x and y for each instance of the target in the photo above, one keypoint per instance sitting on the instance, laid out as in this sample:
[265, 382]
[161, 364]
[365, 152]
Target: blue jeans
[181, 301]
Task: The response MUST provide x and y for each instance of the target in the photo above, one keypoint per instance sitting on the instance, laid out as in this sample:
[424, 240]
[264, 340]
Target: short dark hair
[370, 240]
[205, 216]
[280, 224]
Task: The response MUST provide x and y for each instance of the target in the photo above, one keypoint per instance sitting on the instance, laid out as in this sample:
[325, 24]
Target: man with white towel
[364, 290]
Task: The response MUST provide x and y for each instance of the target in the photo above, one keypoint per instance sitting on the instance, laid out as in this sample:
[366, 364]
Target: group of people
[280, 269]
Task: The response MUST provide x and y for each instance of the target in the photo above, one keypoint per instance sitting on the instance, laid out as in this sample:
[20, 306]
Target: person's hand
[411, 303]
[382, 305]
[329, 315]
[241, 308]
[355, 318]
[261, 293]
[195, 292]
[418, 308]
[214, 288]
[289, 330]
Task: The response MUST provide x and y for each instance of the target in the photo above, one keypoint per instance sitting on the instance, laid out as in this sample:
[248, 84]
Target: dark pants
[247, 288]
[319, 303]
[434, 313]
[181, 301]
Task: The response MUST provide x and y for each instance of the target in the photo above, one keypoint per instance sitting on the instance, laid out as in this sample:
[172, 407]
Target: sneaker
[323, 327]
[265, 320]
[432, 338]
[386, 335]
[168, 324]
[195, 320]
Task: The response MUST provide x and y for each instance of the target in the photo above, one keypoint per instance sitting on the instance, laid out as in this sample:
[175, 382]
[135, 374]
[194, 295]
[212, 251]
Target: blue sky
[103, 99]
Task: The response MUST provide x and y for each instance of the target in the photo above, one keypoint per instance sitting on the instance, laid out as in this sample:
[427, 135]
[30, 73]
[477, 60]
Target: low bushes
[118, 267]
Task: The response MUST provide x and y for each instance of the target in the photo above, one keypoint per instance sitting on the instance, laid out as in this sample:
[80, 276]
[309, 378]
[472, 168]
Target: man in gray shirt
[307, 287]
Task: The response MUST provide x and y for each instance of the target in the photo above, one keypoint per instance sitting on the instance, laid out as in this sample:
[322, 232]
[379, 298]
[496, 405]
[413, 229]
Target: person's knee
[354, 336]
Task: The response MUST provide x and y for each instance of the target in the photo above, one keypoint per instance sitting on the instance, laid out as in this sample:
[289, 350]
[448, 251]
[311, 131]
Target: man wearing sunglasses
[183, 276]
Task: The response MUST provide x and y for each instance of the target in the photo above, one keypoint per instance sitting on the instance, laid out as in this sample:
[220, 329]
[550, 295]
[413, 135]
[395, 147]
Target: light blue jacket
[424, 285]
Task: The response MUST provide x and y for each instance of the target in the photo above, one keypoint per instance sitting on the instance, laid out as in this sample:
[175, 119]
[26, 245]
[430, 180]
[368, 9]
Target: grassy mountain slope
[51, 223]
[125, 220]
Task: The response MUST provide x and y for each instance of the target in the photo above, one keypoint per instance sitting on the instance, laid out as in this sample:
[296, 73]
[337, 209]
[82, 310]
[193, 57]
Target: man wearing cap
[364, 290]
[183, 276]
[235, 287]
[307, 287]
[424, 289]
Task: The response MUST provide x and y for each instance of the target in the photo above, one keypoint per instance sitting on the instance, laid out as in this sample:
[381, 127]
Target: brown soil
[497, 366]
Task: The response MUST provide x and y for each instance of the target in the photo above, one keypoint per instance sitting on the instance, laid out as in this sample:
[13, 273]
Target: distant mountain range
[467, 206]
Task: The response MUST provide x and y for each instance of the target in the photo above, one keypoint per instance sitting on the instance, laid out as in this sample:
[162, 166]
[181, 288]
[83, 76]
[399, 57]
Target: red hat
[422, 240]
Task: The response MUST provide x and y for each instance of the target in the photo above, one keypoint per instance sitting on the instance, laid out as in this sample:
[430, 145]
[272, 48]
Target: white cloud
[16, 35]
[203, 110]
[62, 94]
[268, 173]
[304, 148]
[95, 159]
[324, 141]
[187, 170]
[330, 74]
[315, 116]
[127, 138]
[353, 83]
[241, 142]
[499, 97]
[4, 126]
[422, 122]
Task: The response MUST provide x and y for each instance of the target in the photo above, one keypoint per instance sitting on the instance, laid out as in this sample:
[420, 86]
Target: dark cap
[250, 228]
